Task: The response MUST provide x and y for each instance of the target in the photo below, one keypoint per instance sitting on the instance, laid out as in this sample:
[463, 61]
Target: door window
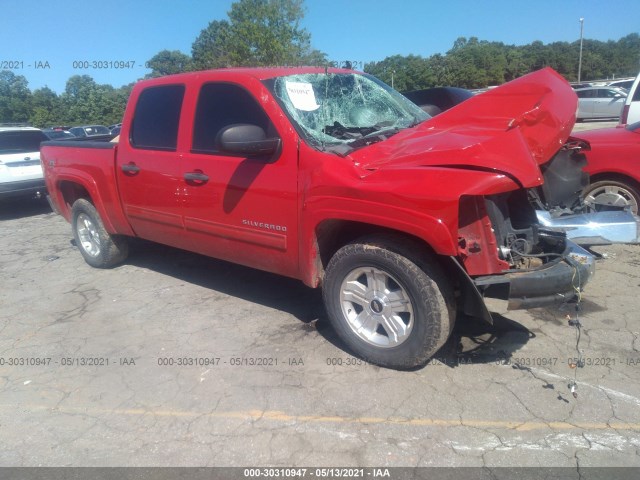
[157, 117]
[221, 105]
[606, 93]
[586, 93]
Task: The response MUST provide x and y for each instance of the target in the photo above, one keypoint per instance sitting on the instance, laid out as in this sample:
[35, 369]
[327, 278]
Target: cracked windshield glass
[341, 112]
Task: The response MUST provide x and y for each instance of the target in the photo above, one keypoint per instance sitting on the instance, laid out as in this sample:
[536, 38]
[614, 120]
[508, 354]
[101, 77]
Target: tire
[387, 305]
[99, 248]
[612, 194]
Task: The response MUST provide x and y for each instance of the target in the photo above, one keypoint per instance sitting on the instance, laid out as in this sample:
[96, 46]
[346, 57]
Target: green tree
[86, 102]
[78, 100]
[169, 62]
[474, 63]
[627, 55]
[209, 50]
[15, 97]
[46, 108]
[257, 33]
[405, 73]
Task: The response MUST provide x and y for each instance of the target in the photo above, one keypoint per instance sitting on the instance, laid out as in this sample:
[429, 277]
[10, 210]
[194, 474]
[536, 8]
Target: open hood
[511, 129]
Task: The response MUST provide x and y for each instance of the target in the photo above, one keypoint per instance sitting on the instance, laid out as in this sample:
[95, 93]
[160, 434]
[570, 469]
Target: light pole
[580, 57]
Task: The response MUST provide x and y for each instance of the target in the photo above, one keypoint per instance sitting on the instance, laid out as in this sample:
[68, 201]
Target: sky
[48, 42]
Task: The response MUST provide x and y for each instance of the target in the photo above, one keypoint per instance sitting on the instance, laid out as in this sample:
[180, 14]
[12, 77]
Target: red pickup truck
[333, 178]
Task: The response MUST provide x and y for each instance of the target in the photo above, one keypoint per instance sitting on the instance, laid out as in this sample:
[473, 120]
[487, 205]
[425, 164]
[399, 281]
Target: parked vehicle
[438, 99]
[334, 178]
[613, 162]
[90, 131]
[626, 83]
[600, 102]
[57, 133]
[20, 170]
[631, 109]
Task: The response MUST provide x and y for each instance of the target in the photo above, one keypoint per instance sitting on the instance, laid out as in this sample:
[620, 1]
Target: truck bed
[90, 164]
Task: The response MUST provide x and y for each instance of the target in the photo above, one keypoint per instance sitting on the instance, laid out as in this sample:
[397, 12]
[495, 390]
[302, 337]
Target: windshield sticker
[302, 96]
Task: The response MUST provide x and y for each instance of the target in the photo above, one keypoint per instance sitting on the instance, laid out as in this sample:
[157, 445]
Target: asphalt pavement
[174, 359]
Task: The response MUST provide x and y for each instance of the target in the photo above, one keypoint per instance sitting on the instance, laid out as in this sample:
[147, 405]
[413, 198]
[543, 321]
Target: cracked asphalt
[175, 359]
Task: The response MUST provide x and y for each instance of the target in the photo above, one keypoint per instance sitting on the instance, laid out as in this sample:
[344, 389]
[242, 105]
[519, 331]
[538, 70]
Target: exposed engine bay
[564, 181]
[522, 241]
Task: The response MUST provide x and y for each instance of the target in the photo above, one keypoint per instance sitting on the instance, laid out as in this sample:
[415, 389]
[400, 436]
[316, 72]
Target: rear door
[608, 103]
[239, 208]
[147, 165]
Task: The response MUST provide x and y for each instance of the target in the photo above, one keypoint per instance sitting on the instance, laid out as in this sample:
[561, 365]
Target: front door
[239, 208]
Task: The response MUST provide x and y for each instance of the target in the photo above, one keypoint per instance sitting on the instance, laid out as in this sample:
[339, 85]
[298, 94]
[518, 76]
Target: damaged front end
[527, 265]
[560, 206]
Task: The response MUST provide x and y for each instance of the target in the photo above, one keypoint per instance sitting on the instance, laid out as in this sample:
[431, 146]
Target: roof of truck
[258, 73]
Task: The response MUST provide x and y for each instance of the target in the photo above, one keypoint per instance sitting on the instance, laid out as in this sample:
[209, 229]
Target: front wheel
[612, 195]
[391, 307]
[99, 248]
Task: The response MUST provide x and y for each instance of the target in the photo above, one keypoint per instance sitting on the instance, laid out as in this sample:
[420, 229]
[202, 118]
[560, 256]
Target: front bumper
[556, 282]
[597, 228]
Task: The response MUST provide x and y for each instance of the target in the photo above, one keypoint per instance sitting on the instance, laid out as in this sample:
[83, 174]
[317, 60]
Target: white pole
[580, 59]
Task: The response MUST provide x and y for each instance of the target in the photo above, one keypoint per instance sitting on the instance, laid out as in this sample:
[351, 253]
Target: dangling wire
[579, 361]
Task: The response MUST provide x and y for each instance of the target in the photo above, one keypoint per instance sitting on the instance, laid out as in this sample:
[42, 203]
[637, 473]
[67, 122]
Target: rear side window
[157, 116]
[607, 93]
[26, 141]
[221, 105]
[586, 93]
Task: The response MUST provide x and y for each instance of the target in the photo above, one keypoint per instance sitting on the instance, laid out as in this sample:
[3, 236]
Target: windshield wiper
[374, 137]
[341, 132]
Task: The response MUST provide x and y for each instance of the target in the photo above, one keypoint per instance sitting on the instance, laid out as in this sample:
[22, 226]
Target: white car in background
[20, 169]
[631, 110]
[600, 102]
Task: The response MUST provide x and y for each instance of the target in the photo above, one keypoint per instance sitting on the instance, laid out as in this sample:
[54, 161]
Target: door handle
[198, 178]
[130, 168]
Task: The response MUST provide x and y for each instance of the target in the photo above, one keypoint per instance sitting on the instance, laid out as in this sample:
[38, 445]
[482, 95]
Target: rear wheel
[390, 306]
[99, 248]
[612, 195]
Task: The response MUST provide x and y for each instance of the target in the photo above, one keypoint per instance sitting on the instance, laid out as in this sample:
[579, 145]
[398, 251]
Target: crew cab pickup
[333, 178]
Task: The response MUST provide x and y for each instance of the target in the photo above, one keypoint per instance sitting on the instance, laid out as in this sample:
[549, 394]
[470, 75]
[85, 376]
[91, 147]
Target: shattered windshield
[343, 111]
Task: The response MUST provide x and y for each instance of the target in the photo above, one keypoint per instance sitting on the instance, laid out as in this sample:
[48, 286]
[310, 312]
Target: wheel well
[332, 235]
[71, 192]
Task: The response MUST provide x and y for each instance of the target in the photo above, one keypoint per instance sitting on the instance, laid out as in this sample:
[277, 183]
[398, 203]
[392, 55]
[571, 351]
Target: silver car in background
[600, 102]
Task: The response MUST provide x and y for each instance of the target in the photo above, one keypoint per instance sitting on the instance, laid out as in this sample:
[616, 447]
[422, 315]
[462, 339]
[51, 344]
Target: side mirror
[246, 139]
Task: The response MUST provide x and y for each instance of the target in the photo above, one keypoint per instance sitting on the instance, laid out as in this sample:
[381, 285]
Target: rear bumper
[22, 188]
[557, 282]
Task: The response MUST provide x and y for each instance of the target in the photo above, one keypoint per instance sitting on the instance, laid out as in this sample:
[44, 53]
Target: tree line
[83, 102]
[473, 63]
[268, 32]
